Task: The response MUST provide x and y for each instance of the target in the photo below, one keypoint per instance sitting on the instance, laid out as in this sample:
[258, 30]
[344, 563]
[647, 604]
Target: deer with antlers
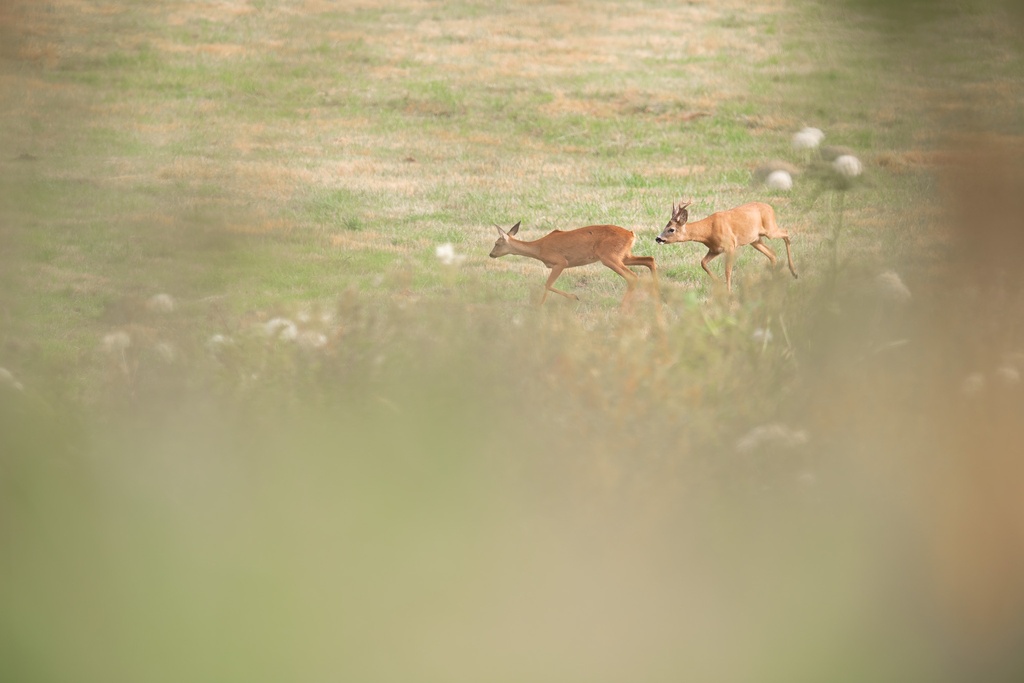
[724, 231]
[558, 250]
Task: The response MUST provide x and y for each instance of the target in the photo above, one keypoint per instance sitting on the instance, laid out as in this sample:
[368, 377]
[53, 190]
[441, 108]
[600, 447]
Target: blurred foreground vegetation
[252, 428]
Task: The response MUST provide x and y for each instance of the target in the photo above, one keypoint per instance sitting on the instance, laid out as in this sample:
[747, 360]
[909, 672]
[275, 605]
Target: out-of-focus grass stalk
[422, 477]
[838, 208]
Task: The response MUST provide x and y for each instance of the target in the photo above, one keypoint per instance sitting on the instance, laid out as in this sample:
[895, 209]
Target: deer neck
[699, 231]
[525, 248]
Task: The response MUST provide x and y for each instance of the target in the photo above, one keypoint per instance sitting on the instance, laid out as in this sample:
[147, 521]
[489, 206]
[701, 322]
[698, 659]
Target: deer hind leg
[629, 276]
[773, 231]
[647, 262]
[555, 272]
[789, 255]
[764, 249]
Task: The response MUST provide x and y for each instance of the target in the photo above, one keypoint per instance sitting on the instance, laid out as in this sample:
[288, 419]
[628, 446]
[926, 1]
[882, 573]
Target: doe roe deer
[558, 250]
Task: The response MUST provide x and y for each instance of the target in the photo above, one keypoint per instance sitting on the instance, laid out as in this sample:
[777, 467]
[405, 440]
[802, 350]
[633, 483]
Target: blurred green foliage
[330, 456]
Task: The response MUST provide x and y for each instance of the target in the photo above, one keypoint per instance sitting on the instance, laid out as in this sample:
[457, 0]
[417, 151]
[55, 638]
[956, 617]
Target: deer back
[585, 245]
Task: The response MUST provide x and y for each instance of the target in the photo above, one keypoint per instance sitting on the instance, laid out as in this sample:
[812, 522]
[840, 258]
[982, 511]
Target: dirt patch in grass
[221, 50]
[262, 226]
[910, 160]
[548, 41]
[665, 108]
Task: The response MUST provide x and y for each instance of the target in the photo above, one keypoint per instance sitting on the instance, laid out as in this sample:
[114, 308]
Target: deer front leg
[789, 255]
[711, 255]
[730, 259]
[556, 270]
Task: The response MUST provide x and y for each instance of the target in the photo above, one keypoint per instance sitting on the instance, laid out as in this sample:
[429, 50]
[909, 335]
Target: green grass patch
[329, 440]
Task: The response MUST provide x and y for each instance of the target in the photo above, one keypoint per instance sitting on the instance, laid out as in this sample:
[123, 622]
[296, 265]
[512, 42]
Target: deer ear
[515, 229]
[500, 231]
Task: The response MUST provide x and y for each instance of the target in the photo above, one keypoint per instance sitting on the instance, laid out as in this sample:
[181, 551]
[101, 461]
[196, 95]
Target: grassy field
[253, 427]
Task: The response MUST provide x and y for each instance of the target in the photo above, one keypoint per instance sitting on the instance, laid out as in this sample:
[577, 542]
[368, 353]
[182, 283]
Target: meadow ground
[255, 426]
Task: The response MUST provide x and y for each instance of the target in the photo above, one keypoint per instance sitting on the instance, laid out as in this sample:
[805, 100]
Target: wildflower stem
[836, 232]
[785, 333]
[710, 325]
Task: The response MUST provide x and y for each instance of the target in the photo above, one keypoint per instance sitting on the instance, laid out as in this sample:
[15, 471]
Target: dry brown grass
[451, 480]
[513, 46]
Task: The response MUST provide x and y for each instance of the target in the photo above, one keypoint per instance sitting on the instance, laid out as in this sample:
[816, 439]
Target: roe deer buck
[724, 231]
[609, 244]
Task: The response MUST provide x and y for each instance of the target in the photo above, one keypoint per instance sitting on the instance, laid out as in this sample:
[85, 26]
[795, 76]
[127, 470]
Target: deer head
[501, 247]
[675, 229]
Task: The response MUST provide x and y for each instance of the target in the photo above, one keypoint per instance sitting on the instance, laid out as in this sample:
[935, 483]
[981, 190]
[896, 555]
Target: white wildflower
[762, 172]
[7, 379]
[808, 138]
[218, 341]
[311, 340]
[161, 303]
[281, 328]
[116, 342]
[779, 180]
[848, 166]
[304, 317]
[762, 335]
[891, 288]
[973, 384]
[446, 254]
[1008, 375]
[166, 351]
[776, 434]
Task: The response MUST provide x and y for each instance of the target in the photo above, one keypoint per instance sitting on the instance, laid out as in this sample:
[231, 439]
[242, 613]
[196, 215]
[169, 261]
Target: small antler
[725, 231]
[679, 213]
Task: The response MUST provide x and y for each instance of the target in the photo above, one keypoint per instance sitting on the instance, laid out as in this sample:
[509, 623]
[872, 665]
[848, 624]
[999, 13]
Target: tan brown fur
[723, 232]
[558, 250]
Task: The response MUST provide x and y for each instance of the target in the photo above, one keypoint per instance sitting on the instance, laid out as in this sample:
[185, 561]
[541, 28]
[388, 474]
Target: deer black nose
[658, 240]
